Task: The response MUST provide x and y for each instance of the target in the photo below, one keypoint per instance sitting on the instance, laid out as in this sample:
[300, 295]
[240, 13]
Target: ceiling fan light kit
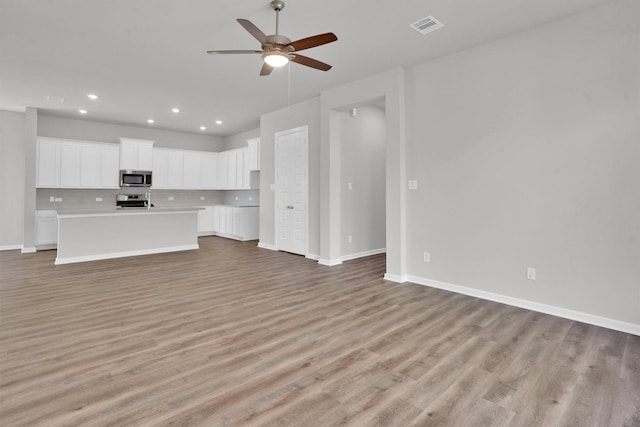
[275, 58]
[278, 50]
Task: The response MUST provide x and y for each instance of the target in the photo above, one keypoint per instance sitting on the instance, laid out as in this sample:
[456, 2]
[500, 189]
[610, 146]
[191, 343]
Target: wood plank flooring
[233, 335]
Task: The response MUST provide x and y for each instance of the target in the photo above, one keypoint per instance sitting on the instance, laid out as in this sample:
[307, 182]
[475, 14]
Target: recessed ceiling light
[82, 111]
[203, 128]
[175, 110]
[150, 121]
[218, 122]
[92, 96]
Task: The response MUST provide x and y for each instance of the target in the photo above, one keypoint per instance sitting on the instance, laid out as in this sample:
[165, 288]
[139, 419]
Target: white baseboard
[592, 319]
[363, 254]
[312, 256]
[395, 278]
[266, 246]
[28, 250]
[70, 260]
[329, 262]
[10, 247]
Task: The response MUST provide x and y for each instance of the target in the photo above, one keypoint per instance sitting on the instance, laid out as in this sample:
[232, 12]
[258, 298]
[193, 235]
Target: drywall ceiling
[144, 57]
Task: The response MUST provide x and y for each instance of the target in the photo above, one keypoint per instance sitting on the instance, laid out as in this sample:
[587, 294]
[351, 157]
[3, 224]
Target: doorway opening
[363, 144]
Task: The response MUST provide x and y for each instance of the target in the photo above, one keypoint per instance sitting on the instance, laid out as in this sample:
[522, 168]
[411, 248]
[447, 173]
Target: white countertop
[68, 213]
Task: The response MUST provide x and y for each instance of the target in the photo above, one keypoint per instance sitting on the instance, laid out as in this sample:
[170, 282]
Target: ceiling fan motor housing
[277, 42]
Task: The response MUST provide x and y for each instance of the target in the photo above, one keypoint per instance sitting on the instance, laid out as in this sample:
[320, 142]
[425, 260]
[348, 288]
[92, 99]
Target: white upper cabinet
[82, 164]
[48, 161]
[76, 164]
[90, 170]
[136, 154]
[109, 166]
[240, 167]
[208, 170]
[254, 154]
[70, 165]
[192, 170]
[231, 169]
[176, 169]
[160, 178]
[184, 169]
[221, 173]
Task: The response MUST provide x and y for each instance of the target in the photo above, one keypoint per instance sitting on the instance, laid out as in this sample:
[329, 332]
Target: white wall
[12, 178]
[301, 114]
[59, 127]
[363, 146]
[240, 140]
[527, 153]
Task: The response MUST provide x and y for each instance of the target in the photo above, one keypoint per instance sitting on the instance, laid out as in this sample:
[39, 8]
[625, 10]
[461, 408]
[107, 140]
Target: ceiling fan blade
[310, 62]
[253, 30]
[266, 69]
[313, 41]
[216, 52]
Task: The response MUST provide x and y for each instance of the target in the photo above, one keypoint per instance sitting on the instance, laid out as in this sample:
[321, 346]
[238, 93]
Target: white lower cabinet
[205, 221]
[46, 229]
[240, 223]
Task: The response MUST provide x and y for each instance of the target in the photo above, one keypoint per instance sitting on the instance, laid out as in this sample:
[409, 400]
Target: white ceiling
[143, 57]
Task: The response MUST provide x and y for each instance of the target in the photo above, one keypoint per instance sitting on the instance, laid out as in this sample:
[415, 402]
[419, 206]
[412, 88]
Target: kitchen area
[97, 200]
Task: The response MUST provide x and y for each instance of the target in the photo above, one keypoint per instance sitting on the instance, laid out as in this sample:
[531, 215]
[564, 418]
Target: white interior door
[292, 190]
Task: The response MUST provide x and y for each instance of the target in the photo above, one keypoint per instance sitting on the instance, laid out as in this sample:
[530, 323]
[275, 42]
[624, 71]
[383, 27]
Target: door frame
[304, 128]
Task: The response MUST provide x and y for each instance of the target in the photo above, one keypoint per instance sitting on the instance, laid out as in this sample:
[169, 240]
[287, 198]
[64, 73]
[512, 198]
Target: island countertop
[69, 213]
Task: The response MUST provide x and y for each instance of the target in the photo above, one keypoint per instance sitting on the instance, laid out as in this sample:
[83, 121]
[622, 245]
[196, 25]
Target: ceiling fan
[277, 50]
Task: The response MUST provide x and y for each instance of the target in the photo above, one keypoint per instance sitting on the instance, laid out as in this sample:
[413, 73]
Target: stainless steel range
[133, 201]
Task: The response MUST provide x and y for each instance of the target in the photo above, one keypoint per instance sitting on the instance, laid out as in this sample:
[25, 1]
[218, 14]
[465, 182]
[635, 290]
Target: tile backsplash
[57, 198]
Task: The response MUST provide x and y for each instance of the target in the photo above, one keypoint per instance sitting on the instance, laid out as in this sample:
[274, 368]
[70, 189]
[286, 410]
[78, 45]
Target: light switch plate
[413, 184]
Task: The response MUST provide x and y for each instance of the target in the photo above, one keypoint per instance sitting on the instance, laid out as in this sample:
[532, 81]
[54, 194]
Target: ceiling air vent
[427, 25]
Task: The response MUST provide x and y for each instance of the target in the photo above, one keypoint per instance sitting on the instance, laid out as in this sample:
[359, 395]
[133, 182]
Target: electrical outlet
[170, 197]
[52, 199]
[350, 186]
[250, 198]
[426, 257]
[413, 184]
[350, 239]
[236, 197]
[201, 197]
[531, 273]
[98, 199]
[58, 199]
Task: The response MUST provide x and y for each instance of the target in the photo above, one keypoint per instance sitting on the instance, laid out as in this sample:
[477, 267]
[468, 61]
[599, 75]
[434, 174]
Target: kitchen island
[85, 235]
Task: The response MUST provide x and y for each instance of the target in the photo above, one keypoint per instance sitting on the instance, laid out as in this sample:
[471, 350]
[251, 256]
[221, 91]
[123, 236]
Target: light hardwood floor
[235, 335]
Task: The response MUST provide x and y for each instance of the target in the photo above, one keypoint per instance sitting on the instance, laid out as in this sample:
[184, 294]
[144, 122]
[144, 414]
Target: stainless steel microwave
[130, 178]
